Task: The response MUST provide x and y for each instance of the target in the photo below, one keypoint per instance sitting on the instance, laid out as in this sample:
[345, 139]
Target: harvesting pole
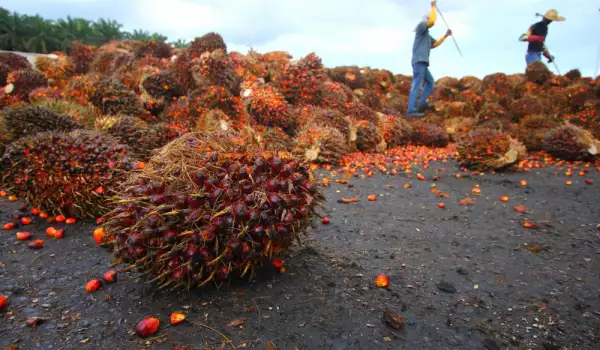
[448, 27]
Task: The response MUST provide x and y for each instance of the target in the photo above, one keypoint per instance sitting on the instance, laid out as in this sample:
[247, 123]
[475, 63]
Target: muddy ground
[506, 296]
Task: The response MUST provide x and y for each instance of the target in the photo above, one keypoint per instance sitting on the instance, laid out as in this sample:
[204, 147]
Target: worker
[536, 36]
[422, 78]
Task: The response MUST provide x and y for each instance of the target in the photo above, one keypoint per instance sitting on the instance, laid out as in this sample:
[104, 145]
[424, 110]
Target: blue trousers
[421, 79]
[533, 57]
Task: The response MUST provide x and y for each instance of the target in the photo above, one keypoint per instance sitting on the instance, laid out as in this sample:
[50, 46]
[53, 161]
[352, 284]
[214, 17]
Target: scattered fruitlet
[93, 286]
[25, 220]
[23, 236]
[382, 281]
[37, 244]
[372, 197]
[325, 220]
[110, 276]
[177, 317]
[147, 327]
[9, 226]
[3, 302]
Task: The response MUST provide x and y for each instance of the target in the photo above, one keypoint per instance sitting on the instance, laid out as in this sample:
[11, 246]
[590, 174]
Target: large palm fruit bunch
[428, 134]
[577, 95]
[208, 43]
[113, 97]
[267, 106]
[135, 71]
[49, 93]
[380, 80]
[300, 81]
[360, 111]
[140, 137]
[488, 149]
[326, 117]
[349, 75]
[22, 82]
[274, 62]
[181, 68]
[570, 142]
[470, 83]
[457, 127]
[395, 131]
[459, 109]
[82, 56]
[163, 84]
[335, 95]
[517, 82]
[573, 75]
[14, 61]
[528, 105]
[80, 88]
[209, 97]
[403, 84]
[368, 137]
[182, 112]
[64, 173]
[248, 67]
[492, 112]
[215, 68]
[82, 114]
[107, 61]
[370, 98]
[206, 208]
[394, 100]
[496, 88]
[158, 49]
[26, 120]
[533, 130]
[443, 93]
[4, 71]
[57, 68]
[538, 72]
[321, 144]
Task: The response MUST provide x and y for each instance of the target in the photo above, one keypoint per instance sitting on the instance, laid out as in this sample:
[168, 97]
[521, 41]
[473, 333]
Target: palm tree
[139, 34]
[42, 36]
[180, 44]
[12, 31]
[76, 29]
[158, 37]
[107, 30]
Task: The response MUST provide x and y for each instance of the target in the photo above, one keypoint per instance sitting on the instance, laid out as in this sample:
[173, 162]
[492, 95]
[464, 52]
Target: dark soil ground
[506, 296]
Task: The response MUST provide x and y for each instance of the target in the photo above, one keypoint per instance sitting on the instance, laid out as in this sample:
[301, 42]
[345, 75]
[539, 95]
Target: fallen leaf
[237, 322]
[393, 319]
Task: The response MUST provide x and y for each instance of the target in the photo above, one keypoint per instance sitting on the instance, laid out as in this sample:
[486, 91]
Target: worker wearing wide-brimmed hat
[536, 35]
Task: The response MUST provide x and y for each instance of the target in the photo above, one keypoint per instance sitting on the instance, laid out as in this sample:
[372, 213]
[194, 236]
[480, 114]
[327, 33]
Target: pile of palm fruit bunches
[198, 161]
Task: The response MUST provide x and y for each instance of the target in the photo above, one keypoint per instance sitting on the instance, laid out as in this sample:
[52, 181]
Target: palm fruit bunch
[182, 113]
[113, 97]
[573, 75]
[274, 62]
[321, 144]
[470, 83]
[370, 98]
[577, 95]
[360, 111]
[64, 173]
[267, 106]
[207, 43]
[26, 120]
[300, 81]
[4, 71]
[80, 88]
[45, 94]
[335, 95]
[402, 84]
[570, 142]
[533, 129]
[517, 83]
[248, 67]
[82, 56]
[81, 114]
[21, 82]
[271, 139]
[443, 93]
[528, 105]
[140, 137]
[207, 208]
[428, 134]
[108, 61]
[212, 120]
[379, 80]
[57, 68]
[395, 131]
[497, 89]
[488, 149]
[493, 111]
[209, 97]
[458, 109]
[14, 61]
[133, 73]
[326, 117]
[163, 84]
[368, 138]
[214, 68]
[538, 72]
[394, 100]
[458, 126]
[157, 49]
[348, 75]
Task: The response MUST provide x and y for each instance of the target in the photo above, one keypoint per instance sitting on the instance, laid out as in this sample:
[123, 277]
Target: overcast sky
[375, 33]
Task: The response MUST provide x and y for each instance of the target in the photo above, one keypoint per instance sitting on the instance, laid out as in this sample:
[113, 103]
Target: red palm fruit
[382, 281]
[60, 233]
[23, 236]
[325, 220]
[110, 276]
[222, 273]
[195, 201]
[34, 211]
[9, 226]
[278, 264]
[274, 199]
[178, 274]
[204, 254]
[273, 185]
[3, 302]
[177, 317]
[240, 211]
[257, 233]
[190, 252]
[70, 221]
[26, 220]
[98, 234]
[158, 199]
[276, 165]
[147, 327]
[286, 170]
[93, 286]
[181, 201]
[50, 231]
[37, 244]
[589, 182]
[60, 218]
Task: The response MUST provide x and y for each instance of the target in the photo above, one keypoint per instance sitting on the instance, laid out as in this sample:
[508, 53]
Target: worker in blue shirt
[422, 78]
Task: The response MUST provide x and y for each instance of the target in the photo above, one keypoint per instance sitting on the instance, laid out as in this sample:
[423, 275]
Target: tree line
[19, 32]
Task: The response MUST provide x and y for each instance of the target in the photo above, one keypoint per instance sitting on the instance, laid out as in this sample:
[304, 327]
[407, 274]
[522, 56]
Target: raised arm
[432, 15]
[441, 40]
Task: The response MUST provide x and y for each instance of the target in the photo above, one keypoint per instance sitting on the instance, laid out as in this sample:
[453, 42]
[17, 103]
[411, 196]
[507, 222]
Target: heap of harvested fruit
[63, 173]
[570, 142]
[22, 82]
[487, 149]
[207, 207]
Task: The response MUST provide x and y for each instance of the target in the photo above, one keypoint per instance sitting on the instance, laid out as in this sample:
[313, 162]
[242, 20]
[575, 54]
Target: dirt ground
[504, 285]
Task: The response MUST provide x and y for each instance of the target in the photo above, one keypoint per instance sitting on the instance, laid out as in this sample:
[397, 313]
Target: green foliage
[19, 32]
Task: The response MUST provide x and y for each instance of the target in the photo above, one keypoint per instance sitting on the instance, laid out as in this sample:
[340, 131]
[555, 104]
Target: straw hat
[552, 15]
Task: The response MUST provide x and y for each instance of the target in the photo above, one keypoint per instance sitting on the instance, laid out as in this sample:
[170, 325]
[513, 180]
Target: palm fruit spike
[300, 81]
[112, 97]
[215, 68]
[487, 149]
[395, 131]
[268, 107]
[538, 72]
[62, 173]
[81, 114]
[158, 49]
[206, 208]
[26, 120]
[163, 85]
[570, 142]
[321, 144]
[57, 68]
[368, 137]
[348, 75]
[428, 134]
[20, 83]
[82, 56]
[207, 43]
[533, 129]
